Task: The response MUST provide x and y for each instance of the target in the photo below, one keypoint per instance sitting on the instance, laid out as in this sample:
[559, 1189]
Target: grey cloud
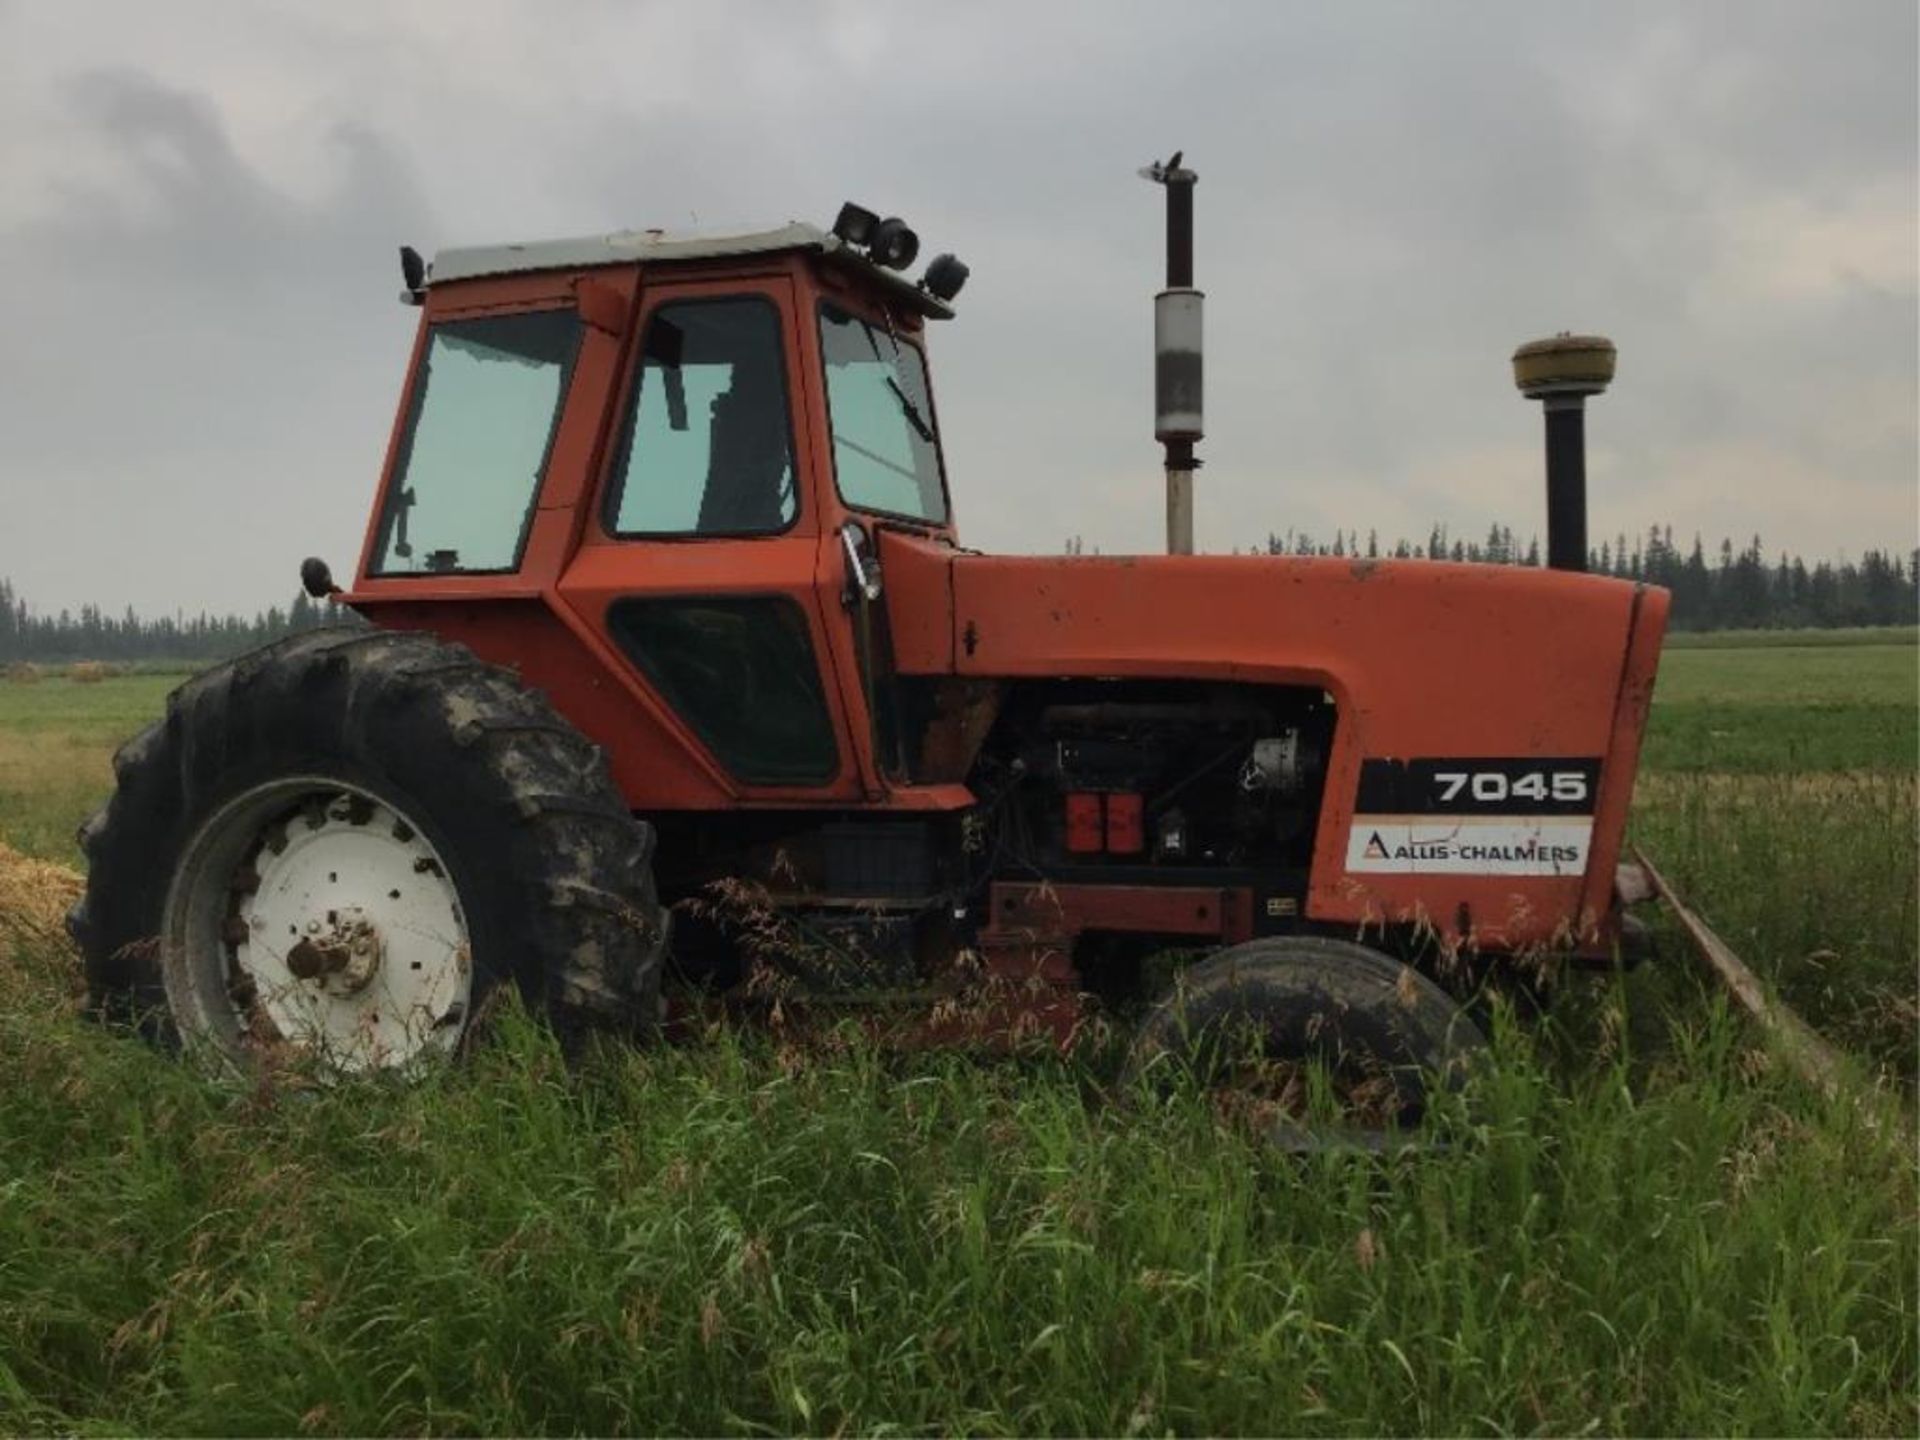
[205, 348]
[1392, 196]
[195, 213]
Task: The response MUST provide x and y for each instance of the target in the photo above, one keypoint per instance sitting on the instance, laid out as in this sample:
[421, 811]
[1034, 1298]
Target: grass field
[1876, 636]
[57, 740]
[1770, 709]
[1646, 1225]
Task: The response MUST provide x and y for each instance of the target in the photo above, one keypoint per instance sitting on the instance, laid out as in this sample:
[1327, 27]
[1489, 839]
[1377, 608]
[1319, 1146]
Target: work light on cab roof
[666, 613]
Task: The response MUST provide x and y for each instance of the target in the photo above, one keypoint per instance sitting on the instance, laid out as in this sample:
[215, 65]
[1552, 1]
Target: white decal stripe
[1469, 844]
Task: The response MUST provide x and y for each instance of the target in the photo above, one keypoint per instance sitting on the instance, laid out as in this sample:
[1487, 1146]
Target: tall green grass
[1812, 879]
[1643, 1224]
[734, 1237]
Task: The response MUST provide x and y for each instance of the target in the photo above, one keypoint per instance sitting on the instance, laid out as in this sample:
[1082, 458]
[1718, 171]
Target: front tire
[1255, 1013]
[342, 843]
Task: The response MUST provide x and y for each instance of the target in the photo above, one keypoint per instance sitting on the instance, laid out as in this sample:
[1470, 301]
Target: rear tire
[1373, 1021]
[333, 784]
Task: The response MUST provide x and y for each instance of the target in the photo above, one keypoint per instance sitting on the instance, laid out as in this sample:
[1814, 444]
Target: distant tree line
[1725, 589]
[91, 634]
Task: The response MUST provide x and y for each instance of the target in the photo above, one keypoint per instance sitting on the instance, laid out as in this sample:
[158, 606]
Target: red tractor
[667, 607]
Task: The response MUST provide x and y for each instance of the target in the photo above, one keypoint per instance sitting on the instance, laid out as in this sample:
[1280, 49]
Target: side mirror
[316, 578]
[863, 569]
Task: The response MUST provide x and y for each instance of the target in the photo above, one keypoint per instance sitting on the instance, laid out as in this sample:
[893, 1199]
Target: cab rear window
[477, 437]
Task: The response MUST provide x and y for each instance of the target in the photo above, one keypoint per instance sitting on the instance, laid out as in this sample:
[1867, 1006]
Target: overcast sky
[200, 348]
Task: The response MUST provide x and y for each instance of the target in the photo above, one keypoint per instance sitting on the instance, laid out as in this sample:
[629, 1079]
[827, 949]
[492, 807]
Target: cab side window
[706, 446]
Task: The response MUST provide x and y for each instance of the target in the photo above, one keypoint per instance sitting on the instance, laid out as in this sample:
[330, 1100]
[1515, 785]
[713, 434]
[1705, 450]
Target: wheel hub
[342, 956]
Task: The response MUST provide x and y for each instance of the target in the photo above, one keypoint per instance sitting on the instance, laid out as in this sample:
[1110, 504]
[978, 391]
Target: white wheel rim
[311, 914]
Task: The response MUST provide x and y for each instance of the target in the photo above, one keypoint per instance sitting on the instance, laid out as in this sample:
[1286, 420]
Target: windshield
[886, 455]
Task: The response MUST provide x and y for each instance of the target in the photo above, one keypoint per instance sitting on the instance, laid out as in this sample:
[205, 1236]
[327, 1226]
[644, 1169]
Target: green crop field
[1771, 708]
[1642, 1222]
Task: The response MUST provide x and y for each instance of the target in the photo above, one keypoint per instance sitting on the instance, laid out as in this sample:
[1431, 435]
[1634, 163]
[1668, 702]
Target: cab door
[701, 560]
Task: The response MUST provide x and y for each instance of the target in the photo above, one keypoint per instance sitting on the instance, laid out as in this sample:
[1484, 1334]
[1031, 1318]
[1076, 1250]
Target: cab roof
[660, 247]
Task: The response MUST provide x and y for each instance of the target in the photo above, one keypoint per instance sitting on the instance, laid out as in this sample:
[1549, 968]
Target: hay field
[1647, 1226]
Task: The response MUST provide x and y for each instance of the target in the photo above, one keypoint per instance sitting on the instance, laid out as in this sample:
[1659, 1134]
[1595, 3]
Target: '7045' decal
[1531, 786]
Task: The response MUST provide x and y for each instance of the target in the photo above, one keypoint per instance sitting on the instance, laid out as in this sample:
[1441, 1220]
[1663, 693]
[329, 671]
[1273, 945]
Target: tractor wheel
[1248, 1021]
[340, 844]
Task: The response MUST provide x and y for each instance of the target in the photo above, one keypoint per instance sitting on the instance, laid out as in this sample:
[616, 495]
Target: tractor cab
[684, 447]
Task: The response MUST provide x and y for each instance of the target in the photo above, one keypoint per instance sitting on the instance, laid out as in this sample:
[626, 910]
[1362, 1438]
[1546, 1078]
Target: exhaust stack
[1561, 373]
[1176, 353]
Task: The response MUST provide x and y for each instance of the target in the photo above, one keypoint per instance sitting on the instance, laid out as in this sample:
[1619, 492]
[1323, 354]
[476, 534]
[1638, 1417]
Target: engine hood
[1414, 650]
[1424, 661]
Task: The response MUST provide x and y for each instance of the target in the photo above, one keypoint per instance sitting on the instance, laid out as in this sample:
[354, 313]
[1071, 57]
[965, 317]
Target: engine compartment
[1101, 776]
